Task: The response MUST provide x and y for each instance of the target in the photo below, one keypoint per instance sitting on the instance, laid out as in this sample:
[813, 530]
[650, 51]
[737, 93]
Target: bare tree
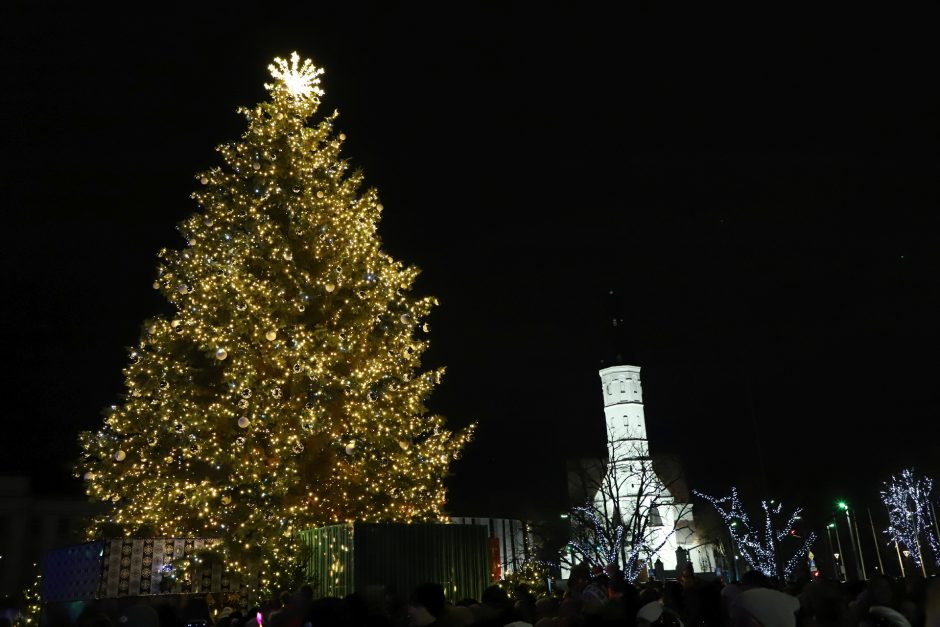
[907, 498]
[629, 511]
[761, 544]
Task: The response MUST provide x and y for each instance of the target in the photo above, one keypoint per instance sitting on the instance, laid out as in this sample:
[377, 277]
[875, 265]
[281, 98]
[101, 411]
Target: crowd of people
[602, 599]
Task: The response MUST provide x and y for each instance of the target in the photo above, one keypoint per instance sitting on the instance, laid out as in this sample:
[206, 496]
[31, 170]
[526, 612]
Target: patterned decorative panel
[73, 572]
[121, 567]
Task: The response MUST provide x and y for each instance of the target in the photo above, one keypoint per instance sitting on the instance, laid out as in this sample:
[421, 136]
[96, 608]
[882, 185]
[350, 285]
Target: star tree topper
[301, 80]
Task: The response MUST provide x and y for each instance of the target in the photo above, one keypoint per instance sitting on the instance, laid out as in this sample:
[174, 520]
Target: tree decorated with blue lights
[762, 544]
[907, 497]
[284, 391]
[623, 523]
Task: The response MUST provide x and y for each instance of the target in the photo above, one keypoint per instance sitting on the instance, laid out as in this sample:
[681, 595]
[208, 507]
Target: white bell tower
[623, 408]
[670, 525]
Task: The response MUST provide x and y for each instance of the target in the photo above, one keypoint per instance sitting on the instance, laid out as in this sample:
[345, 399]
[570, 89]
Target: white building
[630, 479]
[511, 543]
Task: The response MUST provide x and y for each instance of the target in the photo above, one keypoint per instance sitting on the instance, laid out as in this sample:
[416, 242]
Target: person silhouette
[658, 570]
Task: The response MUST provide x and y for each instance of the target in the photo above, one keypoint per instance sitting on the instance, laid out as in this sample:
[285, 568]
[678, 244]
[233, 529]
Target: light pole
[900, 561]
[933, 514]
[920, 554]
[772, 535]
[858, 539]
[859, 567]
[832, 552]
[845, 575]
[734, 550]
[874, 537]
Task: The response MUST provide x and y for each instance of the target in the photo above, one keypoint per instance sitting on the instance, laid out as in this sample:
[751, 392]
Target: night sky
[759, 190]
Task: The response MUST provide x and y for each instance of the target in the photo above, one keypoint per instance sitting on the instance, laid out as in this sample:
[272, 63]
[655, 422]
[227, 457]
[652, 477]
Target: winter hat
[886, 616]
[593, 597]
[768, 607]
[649, 613]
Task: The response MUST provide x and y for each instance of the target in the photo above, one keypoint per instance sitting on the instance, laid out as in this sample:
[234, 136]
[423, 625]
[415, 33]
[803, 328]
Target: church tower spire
[616, 347]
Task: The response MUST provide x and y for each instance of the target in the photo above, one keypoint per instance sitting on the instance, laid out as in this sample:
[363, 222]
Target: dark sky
[760, 189]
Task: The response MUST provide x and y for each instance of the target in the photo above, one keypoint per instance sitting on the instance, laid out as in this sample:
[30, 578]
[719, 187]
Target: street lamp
[856, 549]
[835, 564]
[874, 536]
[835, 527]
[734, 550]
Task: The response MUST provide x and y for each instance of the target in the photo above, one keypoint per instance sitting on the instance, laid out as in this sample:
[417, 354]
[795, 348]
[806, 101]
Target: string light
[285, 392]
[31, 614]
[598, 546]
[532, 574]
[907, 498]
[759, 546]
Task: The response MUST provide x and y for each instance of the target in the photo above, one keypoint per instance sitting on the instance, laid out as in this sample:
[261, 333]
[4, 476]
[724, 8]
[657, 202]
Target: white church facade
[630, 482]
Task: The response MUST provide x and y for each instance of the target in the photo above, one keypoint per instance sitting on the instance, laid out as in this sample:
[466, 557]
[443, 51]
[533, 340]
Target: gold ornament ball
[221, 354]
[288, 255]
[379, 207]
[256, 166]
[403, 444]
[175, 323]
[329, 287]
[156, 285]
[342, 136]
[88, 476]
[270, 336]
[243, 422]
[120, 455]
[168, 459]
[204, 180]
[350, 447]
[226, 499]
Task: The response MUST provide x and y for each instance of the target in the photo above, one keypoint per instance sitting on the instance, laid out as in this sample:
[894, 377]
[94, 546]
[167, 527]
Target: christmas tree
[285, 392]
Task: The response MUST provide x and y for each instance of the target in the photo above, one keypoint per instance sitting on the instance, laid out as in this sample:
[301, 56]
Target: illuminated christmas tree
[285, 390]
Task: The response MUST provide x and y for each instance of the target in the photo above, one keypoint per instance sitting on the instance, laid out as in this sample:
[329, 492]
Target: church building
[654, 486]
[644, 492]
